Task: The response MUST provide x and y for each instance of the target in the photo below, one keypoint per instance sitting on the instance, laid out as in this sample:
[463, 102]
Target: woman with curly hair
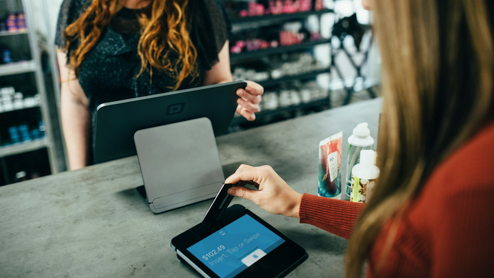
[117, 49]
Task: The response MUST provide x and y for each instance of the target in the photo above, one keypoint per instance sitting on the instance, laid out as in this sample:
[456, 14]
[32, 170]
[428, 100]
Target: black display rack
[289, 78]
[279, 17]
[238, 58]
[276, 50]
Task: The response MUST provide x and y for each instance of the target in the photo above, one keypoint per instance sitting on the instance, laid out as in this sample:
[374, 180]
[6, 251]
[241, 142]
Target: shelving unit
[23, 147]
[288, 78]
[18, 68]
[276, 50]
[33, 71]
[279, 17]
[239, 58]
[283, 110]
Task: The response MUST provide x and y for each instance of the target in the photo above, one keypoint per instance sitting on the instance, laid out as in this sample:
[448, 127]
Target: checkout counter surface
[93, 223]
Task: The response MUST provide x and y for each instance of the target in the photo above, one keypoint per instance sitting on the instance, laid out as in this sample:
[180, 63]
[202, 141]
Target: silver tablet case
[179, 164]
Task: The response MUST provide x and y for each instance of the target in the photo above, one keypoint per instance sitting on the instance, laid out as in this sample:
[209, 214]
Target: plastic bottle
[360, 140]
[364, 176]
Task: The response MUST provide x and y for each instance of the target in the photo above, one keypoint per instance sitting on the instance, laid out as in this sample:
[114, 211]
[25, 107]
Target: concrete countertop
[92, 222]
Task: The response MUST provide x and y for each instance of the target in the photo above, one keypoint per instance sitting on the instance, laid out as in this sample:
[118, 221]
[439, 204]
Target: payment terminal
[234, 242]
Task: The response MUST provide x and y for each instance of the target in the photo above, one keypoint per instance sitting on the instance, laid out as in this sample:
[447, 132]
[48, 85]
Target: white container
[360, 140]
[364, 176]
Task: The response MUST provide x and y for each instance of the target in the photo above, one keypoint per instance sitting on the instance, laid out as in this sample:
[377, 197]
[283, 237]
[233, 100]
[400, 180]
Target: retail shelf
[23, 147]
[276, 50]
[16, 68]
[291, 78]
[17, 109]
[6, 33]
[281, 17]
[264, 114]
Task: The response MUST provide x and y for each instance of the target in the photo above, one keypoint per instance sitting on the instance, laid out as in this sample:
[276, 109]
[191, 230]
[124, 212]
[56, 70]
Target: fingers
[250, 116]
[254, 88]
[249, 100]
[251, 107]
[251, 96]
[242, 192]
[243, 173]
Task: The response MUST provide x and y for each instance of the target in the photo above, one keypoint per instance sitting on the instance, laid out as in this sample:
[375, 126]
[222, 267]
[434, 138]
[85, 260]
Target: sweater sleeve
[462, 237]
[335, 216]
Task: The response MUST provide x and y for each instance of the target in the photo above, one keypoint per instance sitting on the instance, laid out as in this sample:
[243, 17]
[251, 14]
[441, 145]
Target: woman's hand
[249, 100]
[274, 194]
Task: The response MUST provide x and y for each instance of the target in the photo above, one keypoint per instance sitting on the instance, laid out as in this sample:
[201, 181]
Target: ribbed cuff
[335, 216]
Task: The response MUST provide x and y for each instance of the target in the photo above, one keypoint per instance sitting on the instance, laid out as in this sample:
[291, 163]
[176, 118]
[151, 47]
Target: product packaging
[360, 140]
[364, 176]
[329, 184]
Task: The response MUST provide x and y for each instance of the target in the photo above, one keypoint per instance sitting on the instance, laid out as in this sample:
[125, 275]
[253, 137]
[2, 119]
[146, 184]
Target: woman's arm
[248, 103]
[275, 196]
[75, 116]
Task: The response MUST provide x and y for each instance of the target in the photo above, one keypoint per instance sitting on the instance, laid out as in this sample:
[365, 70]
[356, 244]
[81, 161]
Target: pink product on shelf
[305, 5]
[275, 6]
[315, 36]
[252, 8]
[290, 38]
[240, 44]
[253, 45]
[11, 23]
[319, 5]
[238, 47]
[243, 13]
[259, 9]
[235, 49]
[264, 44]
[289, 7]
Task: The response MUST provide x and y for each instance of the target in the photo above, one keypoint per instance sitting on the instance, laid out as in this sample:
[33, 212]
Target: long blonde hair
[438, 63]
[163, 31]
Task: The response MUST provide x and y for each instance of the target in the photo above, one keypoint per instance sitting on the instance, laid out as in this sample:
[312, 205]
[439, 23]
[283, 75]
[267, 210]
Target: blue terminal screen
[235, 247]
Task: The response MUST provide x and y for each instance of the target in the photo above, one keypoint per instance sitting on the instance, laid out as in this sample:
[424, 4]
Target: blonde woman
[431, 211]
[116, 49]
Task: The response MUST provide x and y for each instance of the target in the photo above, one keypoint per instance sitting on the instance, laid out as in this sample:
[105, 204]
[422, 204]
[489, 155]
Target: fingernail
[239, 93]
[232, 191]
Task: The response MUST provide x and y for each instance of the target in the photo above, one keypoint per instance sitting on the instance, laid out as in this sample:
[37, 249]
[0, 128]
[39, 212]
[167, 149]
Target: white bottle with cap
[360, 140]
[364, 176]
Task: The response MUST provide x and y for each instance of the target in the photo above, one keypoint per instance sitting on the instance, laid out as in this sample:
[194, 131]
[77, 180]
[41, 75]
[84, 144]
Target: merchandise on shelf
[293, 95]
[21, 22]
[10, 100]
[23, 127]
[286, 34]
[6, 56]
[297, 64]
[12, 23]
[270, 7]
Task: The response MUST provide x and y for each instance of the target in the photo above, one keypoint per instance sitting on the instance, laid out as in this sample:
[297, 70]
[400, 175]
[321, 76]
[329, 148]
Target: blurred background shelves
[23, 147]
[279, 17]
[30, 142]
[17, 68]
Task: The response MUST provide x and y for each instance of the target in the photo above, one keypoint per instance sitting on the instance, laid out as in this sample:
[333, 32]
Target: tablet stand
[179, 163]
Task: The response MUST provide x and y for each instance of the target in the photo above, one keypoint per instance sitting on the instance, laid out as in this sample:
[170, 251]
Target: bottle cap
[362, 130]
[367, 157]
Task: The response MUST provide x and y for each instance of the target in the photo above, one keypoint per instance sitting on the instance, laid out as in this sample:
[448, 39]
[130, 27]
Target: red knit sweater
[448, 231]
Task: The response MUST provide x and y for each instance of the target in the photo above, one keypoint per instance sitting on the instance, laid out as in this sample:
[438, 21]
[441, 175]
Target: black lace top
[110, 70]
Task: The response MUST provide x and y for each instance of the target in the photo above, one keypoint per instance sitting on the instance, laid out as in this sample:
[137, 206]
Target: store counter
[93, 223]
